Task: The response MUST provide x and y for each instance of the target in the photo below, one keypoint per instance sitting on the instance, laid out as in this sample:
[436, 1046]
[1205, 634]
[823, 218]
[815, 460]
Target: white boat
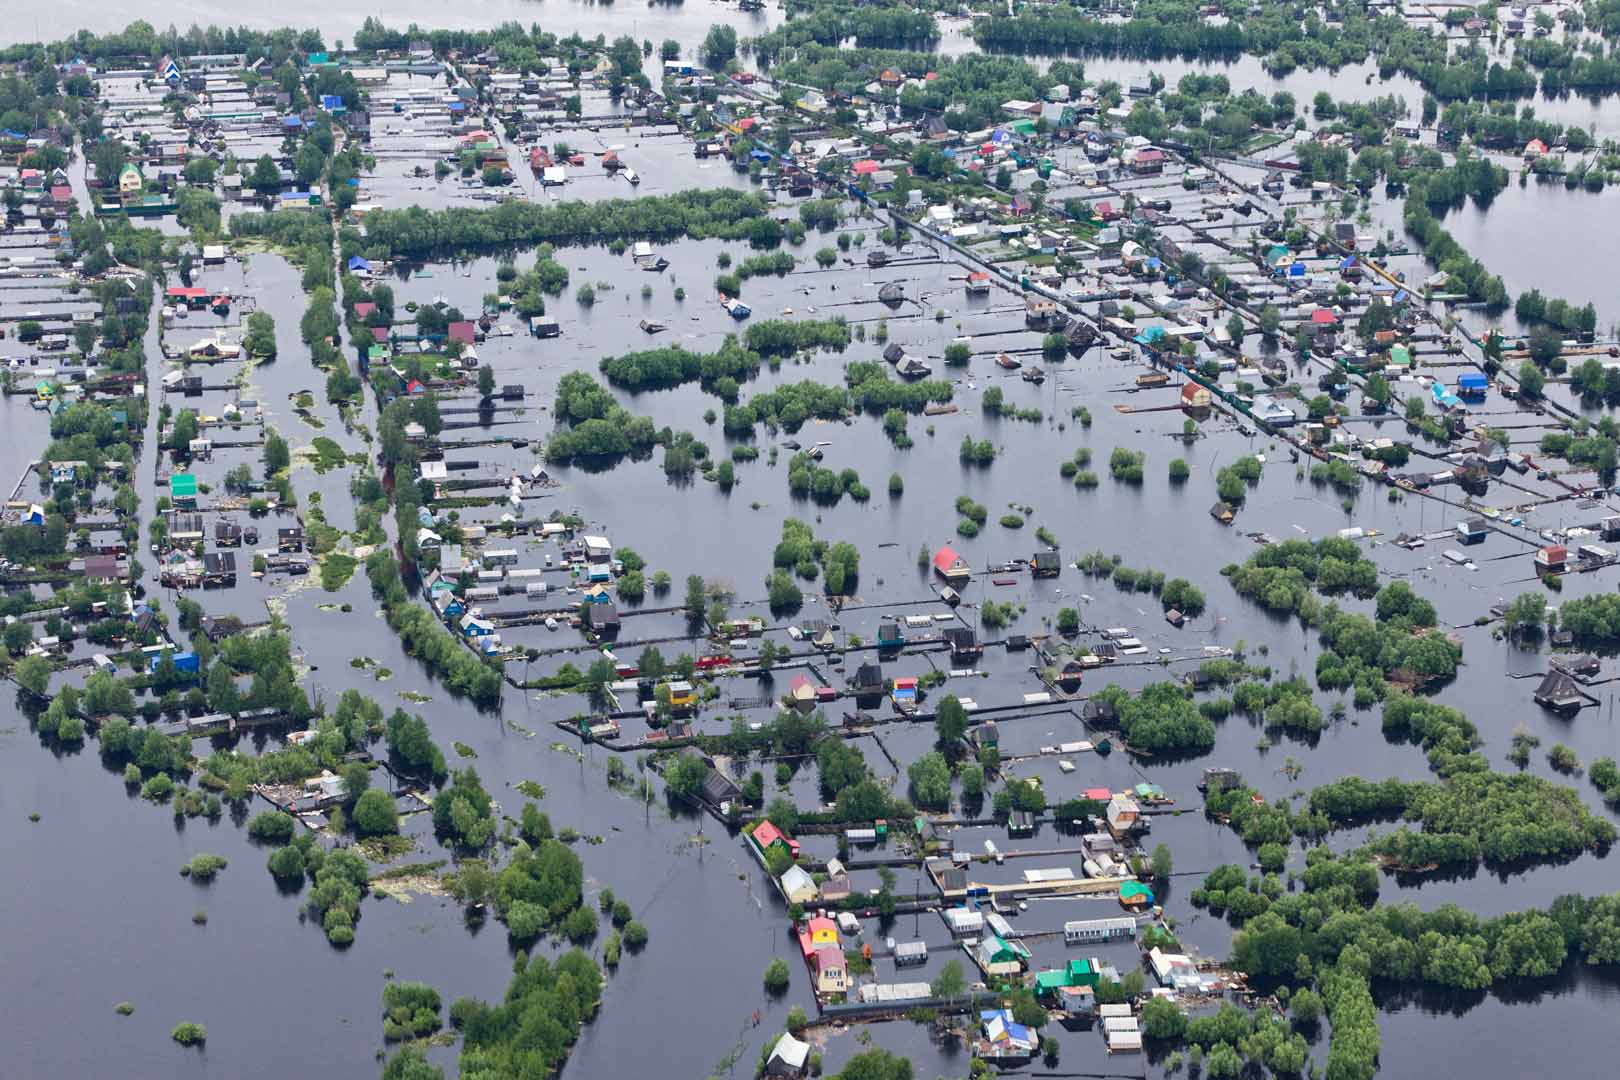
[631, 175]
[551, 622]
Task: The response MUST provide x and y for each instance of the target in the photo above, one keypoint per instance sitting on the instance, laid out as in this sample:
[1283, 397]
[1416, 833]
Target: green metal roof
[183, 486]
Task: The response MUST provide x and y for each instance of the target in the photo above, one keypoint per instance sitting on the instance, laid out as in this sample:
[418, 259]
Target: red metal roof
[864, 167]
[766, 834]
[1323, 317]
[182, 292]
[463, 332]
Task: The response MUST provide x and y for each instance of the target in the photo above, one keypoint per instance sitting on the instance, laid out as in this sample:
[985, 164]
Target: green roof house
[183, 486]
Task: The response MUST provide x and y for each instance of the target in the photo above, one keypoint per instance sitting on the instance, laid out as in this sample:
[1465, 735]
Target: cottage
[1552, 559]
[682, 694]
[789, 1060]
[183, 489]
[951, 566]
[798, 886]
[997, 956]
[101, 569]
[601, 619]
[1046, 564]
[1087, 931]
[889, 635]
[767, 836]
[1558, 693]
[290, 539]
[802, 691]
[868, 681]
[1195, 397]
[964, 643]
[821, 931]
[1472, 531]
[719, 788]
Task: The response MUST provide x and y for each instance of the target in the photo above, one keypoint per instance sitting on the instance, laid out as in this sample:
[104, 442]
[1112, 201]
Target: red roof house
[767, 836]
[950, 566]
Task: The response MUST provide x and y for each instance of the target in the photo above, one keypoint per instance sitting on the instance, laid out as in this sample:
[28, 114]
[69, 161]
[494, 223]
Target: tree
[686, 774]
[18, 636]
[1027, 1011]
[1161, 863]
[696, 597]
[1235, 329]
[276, 455]
[950, 721]
[271, 827]
[1163, 1019]
[930, 778]
[1527, 612]
[266, 177]
[33, 674]
[1531, 380]
[719, 46]
[1545, 344]
[486, 382]
[1306, 1006]
[374, 814]
[260, 341]
[776, 976]
[950, 982]
[1270, 320]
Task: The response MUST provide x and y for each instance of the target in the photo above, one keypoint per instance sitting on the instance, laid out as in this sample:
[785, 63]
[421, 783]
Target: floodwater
[98, 914]
[1545, 236]
[686, 22]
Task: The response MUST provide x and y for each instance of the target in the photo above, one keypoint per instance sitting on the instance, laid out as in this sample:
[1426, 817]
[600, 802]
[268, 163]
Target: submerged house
[951, 566]
[789, 1060]
[868, 681]
[1558, 693]
[964, 643]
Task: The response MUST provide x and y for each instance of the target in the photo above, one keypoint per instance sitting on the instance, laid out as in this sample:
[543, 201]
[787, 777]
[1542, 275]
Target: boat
[551, 622]
[653, 327]
[1151, 379]
[1003, 360]
[736, 308]
[631, 174]
[1033, 375]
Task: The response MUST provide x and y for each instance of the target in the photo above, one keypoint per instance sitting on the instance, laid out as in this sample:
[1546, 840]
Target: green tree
[1531, 380]
[719, 46]
[260, 340]
[950, 982]
[1270, 320]
[374, 814]
[276, 455]
[950, 721]
[266, 177]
